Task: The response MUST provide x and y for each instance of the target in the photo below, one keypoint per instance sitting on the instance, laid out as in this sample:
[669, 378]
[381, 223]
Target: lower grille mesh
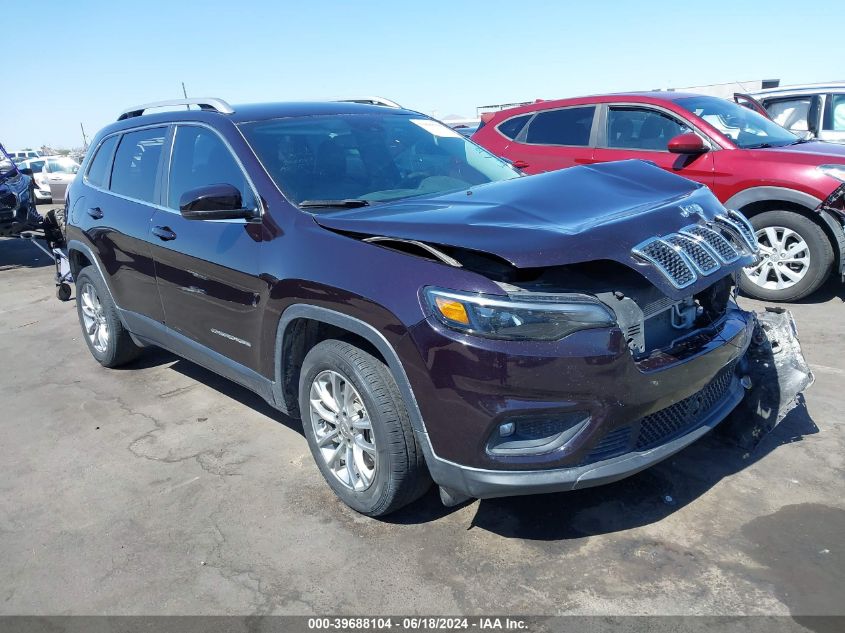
[662, 426]
[684, 415]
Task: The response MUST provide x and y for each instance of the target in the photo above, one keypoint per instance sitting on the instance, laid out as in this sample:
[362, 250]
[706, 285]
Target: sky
[91, 59]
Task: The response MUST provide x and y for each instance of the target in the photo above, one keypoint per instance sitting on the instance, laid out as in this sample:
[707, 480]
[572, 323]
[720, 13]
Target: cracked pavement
[164, 489]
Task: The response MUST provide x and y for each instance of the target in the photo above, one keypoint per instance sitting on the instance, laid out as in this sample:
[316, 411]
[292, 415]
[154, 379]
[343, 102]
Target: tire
[399, 474]
[61, 221]
[116, 348]
[787, 229]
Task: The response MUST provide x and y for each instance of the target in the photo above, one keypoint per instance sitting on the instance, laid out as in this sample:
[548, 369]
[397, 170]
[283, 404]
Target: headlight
[834, 171]
[546, 318]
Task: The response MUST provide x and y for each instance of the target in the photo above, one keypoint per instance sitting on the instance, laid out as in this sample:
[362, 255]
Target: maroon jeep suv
[790, 188]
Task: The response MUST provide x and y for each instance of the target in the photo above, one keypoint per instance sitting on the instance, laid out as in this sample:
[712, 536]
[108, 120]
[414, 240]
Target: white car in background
[811, 110]
[24, 154]
[52, 176]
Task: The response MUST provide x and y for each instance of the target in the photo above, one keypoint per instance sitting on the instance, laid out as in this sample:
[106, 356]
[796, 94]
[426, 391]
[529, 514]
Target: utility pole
[84, 138]
[185, 94]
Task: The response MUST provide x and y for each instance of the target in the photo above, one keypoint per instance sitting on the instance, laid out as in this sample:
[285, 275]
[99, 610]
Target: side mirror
[26, 171]
[214, 202]
[688, 143]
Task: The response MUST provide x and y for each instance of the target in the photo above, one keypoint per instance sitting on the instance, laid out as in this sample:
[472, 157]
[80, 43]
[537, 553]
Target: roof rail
[380, 101]
[212, 104]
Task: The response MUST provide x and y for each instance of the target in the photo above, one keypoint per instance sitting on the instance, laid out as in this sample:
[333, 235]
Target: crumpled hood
[574, 215]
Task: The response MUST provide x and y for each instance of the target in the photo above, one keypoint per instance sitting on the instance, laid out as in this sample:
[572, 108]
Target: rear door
[554, 139]
[643, 132]
[115, 215]
[208, 270]
[751, 103]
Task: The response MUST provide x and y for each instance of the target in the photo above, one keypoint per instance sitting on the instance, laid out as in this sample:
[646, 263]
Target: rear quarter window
[512, 127]
[98, 171]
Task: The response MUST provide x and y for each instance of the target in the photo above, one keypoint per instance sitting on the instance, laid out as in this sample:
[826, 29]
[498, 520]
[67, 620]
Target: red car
[790, 188]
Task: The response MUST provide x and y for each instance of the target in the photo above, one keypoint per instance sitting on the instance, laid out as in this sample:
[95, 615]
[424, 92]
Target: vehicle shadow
[19, 253]
[156, 357]
[642, 499]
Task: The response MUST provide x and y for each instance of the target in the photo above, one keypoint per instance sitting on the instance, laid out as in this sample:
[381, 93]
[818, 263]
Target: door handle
[164, 233]
[96, 213]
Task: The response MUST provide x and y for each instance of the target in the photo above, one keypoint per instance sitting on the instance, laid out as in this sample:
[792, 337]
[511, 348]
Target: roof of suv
[637, 97]
[252, 112]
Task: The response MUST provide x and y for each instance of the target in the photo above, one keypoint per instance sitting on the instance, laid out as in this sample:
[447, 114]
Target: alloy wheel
[785, 259]
[343, 430]
[94, 318]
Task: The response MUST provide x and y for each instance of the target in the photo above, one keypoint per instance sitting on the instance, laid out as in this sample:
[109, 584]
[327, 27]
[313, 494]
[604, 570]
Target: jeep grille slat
[722, 247]
[668, 260]
[699, 254]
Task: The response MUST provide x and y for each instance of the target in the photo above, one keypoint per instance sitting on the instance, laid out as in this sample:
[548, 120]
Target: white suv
[816, 110]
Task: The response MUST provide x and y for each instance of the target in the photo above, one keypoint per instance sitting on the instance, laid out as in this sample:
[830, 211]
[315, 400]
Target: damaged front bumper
[755, 392]
[776, 373]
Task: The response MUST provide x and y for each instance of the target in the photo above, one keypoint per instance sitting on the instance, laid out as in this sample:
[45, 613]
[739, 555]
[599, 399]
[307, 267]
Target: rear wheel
[358, 429]
[796, 257]
[107, 339]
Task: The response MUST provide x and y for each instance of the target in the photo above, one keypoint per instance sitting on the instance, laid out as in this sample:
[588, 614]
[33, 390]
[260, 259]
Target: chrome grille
[698, 250]
[701, 257]
[668, 260]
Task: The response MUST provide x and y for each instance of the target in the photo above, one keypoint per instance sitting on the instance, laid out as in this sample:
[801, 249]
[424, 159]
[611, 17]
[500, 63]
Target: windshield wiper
[349, 203]
[759, 146]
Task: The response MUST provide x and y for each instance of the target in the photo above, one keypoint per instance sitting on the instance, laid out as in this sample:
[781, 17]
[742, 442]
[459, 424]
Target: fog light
[536, 434]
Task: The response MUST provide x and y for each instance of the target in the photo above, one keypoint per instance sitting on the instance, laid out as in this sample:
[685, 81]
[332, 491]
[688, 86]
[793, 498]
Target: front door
[634, 131]
[207, 270]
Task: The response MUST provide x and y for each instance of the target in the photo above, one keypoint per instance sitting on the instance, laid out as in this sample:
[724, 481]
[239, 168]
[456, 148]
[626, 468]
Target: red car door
[554, 139]
[643, 132]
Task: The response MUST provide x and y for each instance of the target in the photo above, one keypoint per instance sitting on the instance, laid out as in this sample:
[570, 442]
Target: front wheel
[796, 257]
[358, 429]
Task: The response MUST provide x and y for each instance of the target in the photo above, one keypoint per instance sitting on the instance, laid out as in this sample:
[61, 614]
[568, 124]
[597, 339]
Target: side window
[641, 128]
[791, 113]
[512, 127]
[201, 158]
[569, 126]
[834, 113]
[100, 166]
[136, 164]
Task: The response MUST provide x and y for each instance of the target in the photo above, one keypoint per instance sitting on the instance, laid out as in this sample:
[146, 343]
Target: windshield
[369, 157]
[747, 129]
[63, 166]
